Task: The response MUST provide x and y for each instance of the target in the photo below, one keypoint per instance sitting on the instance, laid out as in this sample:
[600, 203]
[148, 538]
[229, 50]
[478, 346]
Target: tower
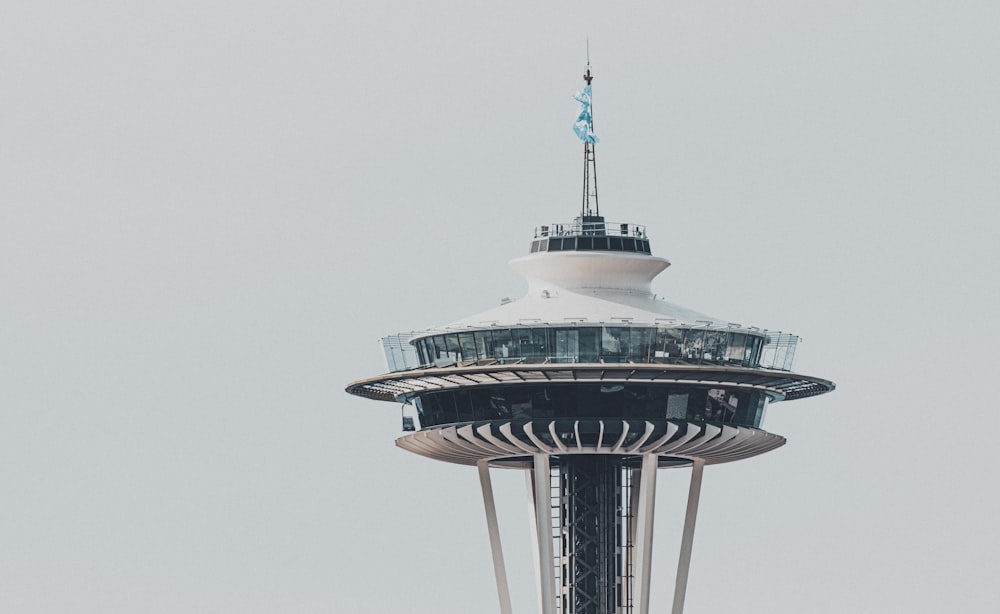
[590, 384]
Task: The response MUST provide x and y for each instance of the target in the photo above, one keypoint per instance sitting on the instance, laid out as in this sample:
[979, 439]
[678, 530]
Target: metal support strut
[499, 569]
[687, 540]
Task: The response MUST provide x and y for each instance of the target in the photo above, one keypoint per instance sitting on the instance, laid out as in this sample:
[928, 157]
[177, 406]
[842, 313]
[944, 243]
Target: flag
[584, 120]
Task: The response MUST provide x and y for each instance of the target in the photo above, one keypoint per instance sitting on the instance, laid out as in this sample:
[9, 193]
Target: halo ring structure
[401, 386]
[512, 443]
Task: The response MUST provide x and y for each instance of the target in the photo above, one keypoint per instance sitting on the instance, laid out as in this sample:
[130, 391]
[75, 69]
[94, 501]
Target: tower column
[543, 530]
[644, 530]
[591, 533]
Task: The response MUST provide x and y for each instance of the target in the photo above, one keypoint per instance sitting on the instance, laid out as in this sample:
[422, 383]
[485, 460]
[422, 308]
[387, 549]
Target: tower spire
[584, 128]
[589, 205]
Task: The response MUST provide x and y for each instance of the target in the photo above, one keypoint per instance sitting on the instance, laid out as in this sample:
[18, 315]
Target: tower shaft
[592, 510]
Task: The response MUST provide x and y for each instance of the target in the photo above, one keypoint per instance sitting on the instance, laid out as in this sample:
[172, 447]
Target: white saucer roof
[587, 287]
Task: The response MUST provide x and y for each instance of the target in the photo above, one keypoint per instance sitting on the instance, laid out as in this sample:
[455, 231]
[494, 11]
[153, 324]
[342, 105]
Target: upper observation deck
[591, 233]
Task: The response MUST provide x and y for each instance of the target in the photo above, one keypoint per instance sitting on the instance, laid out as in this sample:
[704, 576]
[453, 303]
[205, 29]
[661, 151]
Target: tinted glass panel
[468, 345]
[590, 343]
[611, 400]
[639, 344]
[484, 344]
[503, 344]
[614, 344]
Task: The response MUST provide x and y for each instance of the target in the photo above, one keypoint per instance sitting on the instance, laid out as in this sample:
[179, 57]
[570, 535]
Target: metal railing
[598, 229]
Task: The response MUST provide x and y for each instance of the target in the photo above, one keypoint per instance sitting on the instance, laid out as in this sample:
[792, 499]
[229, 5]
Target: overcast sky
[210, 212]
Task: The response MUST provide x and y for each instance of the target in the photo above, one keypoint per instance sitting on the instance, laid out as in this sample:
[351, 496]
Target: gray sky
[210, 212]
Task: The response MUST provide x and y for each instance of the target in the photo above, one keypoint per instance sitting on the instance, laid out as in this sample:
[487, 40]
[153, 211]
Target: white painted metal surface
[588, 287]
[529, 478]
[687, 539]
[543, 525]
[711, 444]
[644, 532]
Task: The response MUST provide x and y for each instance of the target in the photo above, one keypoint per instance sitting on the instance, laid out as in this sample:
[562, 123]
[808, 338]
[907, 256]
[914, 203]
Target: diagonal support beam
[499, 569]
[687, 540]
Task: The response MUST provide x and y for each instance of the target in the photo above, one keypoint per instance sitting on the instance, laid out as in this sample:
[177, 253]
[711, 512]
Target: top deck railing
[601, 228]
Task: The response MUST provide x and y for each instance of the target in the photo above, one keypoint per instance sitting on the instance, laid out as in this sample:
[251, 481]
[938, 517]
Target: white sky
[210, 212]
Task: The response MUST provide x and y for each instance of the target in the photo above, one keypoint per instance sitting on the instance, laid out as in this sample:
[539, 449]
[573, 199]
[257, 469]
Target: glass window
[463, 406]
[615, 244]
[601, 243]
[641, 344]
[540, 342]
[541, 404]
[735, 348]
[585, 243]
[441, 354]
[677, 404]
[712, 349]
[503, 344]
[669, 342]
[481, 409]
[756, 343]
[612, 400]
[742, 407]
[467, 343]
[758, 411]
[454, 350]
[697, 402]
[484, 344]
[721, 405]
[567, 345]
[694, 345]
[555, 245]
[614, 343]
[522, 342]
[590, 343]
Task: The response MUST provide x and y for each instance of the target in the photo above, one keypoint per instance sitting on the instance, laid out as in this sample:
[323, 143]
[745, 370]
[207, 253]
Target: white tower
[590, 384]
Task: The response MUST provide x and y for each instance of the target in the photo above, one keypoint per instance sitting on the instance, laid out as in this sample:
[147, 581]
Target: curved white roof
[595, 287]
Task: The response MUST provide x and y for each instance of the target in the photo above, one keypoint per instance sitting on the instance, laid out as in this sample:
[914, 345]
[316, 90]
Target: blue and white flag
[584, 121]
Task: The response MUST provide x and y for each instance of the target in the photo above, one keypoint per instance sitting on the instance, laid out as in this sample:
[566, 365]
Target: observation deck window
[591, 234]
[592, 401]
[595, 344]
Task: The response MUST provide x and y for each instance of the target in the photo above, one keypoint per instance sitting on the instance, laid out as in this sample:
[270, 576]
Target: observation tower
[590, 384]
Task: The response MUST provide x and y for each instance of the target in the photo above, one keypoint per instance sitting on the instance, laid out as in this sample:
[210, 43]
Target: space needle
[590, 384]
